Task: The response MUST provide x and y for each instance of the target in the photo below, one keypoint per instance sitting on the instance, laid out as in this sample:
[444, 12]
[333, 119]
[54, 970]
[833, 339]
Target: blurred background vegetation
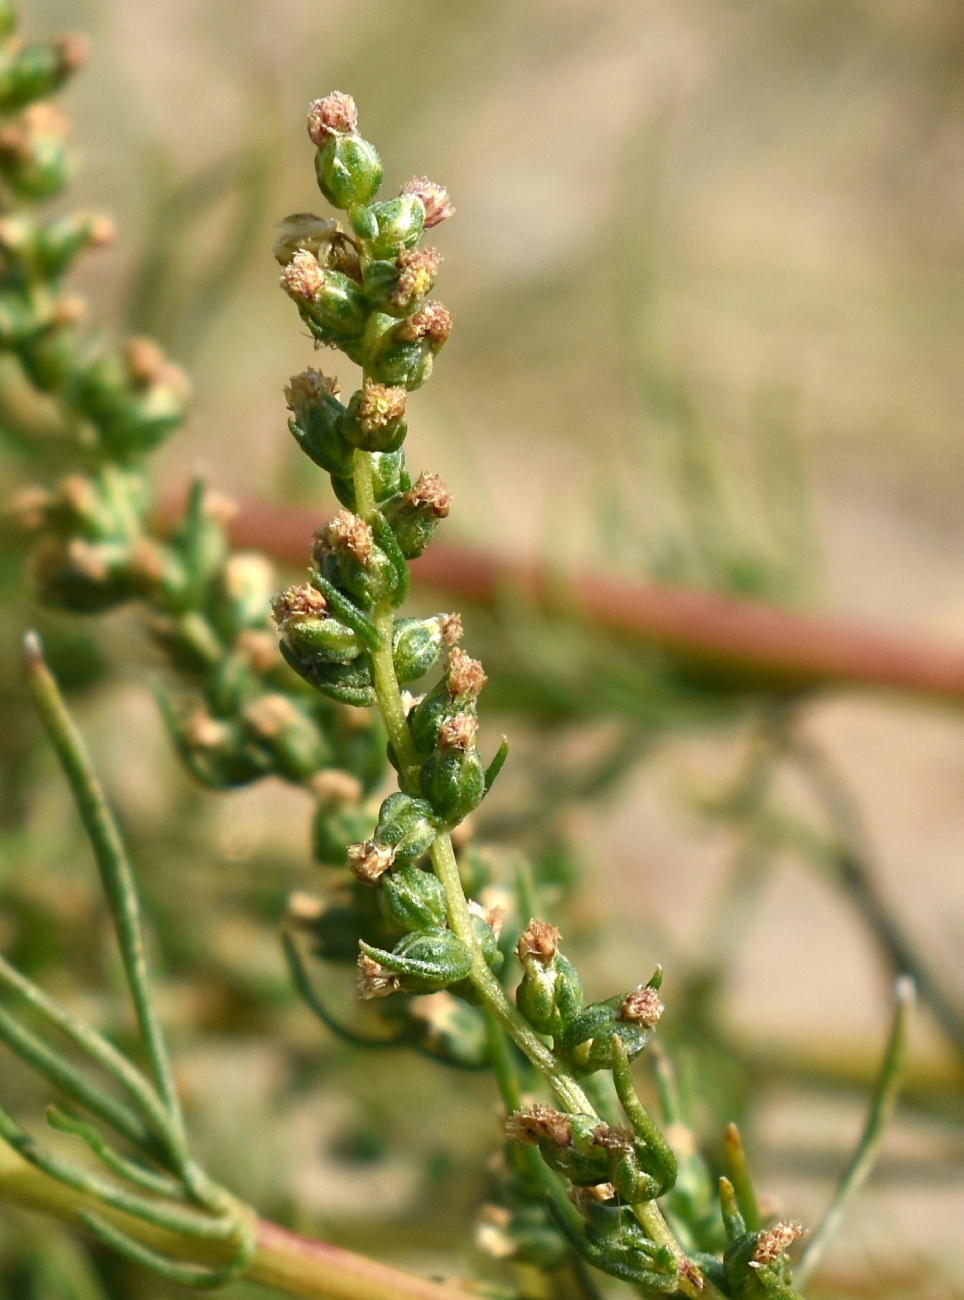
[708, 277]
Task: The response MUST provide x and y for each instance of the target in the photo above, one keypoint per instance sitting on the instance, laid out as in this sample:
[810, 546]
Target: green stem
[115, 870]
[881, 1109]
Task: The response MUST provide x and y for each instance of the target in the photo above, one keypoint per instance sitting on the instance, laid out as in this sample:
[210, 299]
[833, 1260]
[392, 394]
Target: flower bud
[346, 555]
[434, 200]
[336, 114]
[550, 994]
[134, 397]
[288, 734]
[389, 477]
[487, 924]
[348, 170]
[341, 819]
[587, 1041]
[402, 352]
[301, 614]
[406, 826]
[422, 962]
[417, 643]
[374, 419]
[453, 781]
[566, 1142]
[415, 515]
[242, 596]
[412, 899]
[389, 227]
[216, 750]
[352, 683]
[29, 72]
[82, 576]
[329, 302]
[48, 249]
[33, 153]
[315, 415]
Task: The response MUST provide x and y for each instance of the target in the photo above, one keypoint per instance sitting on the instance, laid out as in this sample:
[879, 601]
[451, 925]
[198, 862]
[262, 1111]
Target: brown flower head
[772, 1242]
[302, 277]
[336, 114]
[540, 941]
[345, 532]
[494, 917]
[307, 388]
[642, 1005]
[430, 491]
[417, 268]
[296, 604]
[458, 732]
[434, 199]
[432, 322]
[464, 675]
[450, 628]
[369, 861]
[532, 1124]
[612, 1137]
[374, 981]
[380, 405]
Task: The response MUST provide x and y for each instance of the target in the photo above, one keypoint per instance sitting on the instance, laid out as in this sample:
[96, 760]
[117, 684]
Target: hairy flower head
[347, 533]
[537, 1123]
[540, 941]
[772, 1242]
[380, 405]
[434, 199]
[464, 675]
[642, 1005]
[335, 114]
[417, 268]
[302, 277]
[432, 322]
[296, 604]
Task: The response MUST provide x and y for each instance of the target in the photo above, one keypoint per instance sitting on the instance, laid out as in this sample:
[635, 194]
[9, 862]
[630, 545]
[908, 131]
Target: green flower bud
[412, 899]
[242, 595]
[453, 778]
[550, 994]
[341, 818]
[346, 555]
[217, 750]
[416, 513]
[389, 477]
[330, 302]
[134, 398]
[33, 153]
[587, 1041]
[47, 250]
[487, 924]
[401, 352]
[423, 962]
[406, 826]
[374, 420]
[316, 411]
[301, 614]
[389, 227]
[417, 643]
[30, 72]
[349, 171]
[566, 1142]
[352, 683]
[86, 577]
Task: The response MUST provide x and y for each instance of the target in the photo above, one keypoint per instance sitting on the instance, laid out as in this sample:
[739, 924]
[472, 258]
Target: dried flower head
[612, 1137]
[450, 628]
[540, 941]
[380, 405]
[303, 277]
[345, 532]
[332, 787]
[306, 389]
[429, 490]
[434, 199]
[598, 1194]
[369, 861]
[295, 604]
[537, 1123]
[375, 981]
[772, 1242]
[642, 1005]
[492, 1232]
[336, 114]
[458, 732]
[417, 268]
[464, 675]
[432, 322]
[494, 917]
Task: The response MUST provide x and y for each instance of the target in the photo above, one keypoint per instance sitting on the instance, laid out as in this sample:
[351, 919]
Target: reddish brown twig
[759, 644]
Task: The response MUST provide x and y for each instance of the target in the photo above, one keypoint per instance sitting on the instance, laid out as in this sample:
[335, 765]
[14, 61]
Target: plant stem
[881, 1109]
[116, 877]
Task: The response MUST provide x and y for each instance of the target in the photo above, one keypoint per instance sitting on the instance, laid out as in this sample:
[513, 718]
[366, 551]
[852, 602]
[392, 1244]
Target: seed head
[772, 1242]
[345, 532]
[429, 491]
[464, 675]
[458, 732]
[432, 322]
[295, 604]
[434, 199]
[532, 1123]
[642, 1005]
[417, 268]
[538, 940]
[380, 405]
[374, 981]
[303, 277]
[369, 861]
[336, 114]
